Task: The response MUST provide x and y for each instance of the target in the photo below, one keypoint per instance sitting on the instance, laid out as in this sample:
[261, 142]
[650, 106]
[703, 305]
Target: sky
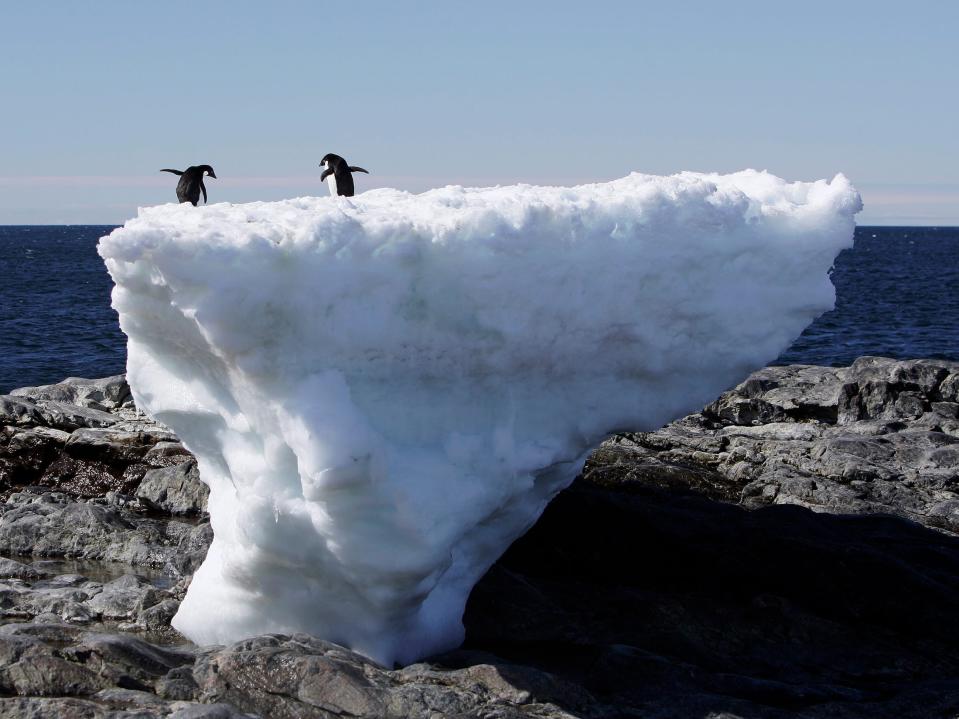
[97, 97]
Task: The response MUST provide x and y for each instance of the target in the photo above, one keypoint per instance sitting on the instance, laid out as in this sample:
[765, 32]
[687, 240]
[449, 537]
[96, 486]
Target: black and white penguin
[339, 175]
[190, 186]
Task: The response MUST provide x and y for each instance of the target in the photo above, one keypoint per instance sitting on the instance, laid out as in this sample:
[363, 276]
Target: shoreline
[743, 600]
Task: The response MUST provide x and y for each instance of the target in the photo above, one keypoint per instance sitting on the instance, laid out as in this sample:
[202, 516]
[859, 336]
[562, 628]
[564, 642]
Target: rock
[99, 394]
[112, 445]
[12, 569]
[157, 618]
[19, 411]
[125, 597]
[80, 436]
[300, 676]
[878, 436]
[165, 454]
[70, 417]
[666, 603]
[61, 708]
[26, 452]
[96, 460]
[175, 490]
[178, 684]
[51, 676]
[208, 711]
[54, 525]
[683, 575]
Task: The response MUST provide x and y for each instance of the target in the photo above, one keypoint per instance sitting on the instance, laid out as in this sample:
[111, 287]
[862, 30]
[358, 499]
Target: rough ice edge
[384, 392]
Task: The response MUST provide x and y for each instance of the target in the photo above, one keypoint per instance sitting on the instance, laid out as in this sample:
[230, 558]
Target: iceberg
[384, 391]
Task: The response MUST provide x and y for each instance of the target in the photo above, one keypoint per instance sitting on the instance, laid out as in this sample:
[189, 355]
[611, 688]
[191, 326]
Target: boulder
[103, 394]
[175, 489]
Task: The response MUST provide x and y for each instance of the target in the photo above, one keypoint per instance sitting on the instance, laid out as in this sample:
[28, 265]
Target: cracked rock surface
[881, 436]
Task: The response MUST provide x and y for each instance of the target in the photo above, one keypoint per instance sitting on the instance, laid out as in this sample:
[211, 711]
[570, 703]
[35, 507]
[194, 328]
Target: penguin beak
[212, 175]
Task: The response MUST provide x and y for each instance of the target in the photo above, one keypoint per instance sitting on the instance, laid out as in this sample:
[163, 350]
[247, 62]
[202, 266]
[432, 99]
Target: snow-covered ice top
[384, 391]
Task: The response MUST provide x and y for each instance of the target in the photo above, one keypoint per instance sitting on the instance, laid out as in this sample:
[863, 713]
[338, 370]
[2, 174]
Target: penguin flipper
[175, 172]
[326, 173]
[203, 190]
[358, 169]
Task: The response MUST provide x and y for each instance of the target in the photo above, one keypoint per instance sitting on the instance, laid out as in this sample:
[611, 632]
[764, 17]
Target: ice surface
[384, 391]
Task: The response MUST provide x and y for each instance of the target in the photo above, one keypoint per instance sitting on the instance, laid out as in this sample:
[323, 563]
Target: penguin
[339, 174]
[190, 186]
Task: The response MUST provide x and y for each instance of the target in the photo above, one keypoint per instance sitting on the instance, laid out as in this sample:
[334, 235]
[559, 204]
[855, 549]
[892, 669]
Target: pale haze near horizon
[99, 97]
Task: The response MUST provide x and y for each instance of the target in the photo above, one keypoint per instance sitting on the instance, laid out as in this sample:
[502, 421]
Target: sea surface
[897, 296]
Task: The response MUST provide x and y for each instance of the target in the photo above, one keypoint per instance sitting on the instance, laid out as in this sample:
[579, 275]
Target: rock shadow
[663, 603]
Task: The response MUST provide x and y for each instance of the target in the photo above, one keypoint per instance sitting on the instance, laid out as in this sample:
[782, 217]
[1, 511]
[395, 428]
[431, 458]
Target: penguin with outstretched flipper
[339, 175]
[190, 186]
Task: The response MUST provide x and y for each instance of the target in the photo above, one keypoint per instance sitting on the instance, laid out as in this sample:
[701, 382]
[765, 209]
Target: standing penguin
[339, 175]
[191, 183]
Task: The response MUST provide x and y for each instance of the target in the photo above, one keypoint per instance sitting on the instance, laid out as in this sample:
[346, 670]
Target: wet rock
[56, 525]
[125, 597]
[12, 569]
[175, 490]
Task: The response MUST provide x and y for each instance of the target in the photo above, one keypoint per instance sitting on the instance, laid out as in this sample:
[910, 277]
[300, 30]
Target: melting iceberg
[384, 391]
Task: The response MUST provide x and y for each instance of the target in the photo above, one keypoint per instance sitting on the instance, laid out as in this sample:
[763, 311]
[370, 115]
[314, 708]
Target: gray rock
[58, 708]
[113, 445]
[165, 454]
[100, 394]
[12, 569]
[208, 711]
[70, 417]
[49, 675]
[54, 525]
[877, 437]
[26, 452]
[300, 676]
[175, 490]
[157, 618]
[80, 436]
[637, 593]
[125, 598]
[19, 411]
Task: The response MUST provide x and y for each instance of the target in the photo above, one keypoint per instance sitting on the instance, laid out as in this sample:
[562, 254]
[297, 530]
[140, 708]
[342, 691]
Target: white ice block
[384, 391]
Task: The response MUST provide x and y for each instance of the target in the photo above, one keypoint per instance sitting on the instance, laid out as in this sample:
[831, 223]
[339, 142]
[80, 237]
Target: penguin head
[208, 171]
[330, 160]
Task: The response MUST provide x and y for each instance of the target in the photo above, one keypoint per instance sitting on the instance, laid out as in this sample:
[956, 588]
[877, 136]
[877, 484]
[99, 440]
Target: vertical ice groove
[384, 393]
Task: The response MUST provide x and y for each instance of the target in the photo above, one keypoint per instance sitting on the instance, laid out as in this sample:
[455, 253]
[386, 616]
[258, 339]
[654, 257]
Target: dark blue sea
[898, 296]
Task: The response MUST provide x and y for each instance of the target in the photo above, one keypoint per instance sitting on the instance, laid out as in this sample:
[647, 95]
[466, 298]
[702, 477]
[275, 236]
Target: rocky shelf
[790, 550]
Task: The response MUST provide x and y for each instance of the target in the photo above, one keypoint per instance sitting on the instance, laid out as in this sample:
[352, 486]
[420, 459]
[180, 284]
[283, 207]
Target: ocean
[897, 296]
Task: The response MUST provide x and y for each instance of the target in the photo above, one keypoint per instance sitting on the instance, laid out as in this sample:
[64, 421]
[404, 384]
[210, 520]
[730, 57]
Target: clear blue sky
[98, 96]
